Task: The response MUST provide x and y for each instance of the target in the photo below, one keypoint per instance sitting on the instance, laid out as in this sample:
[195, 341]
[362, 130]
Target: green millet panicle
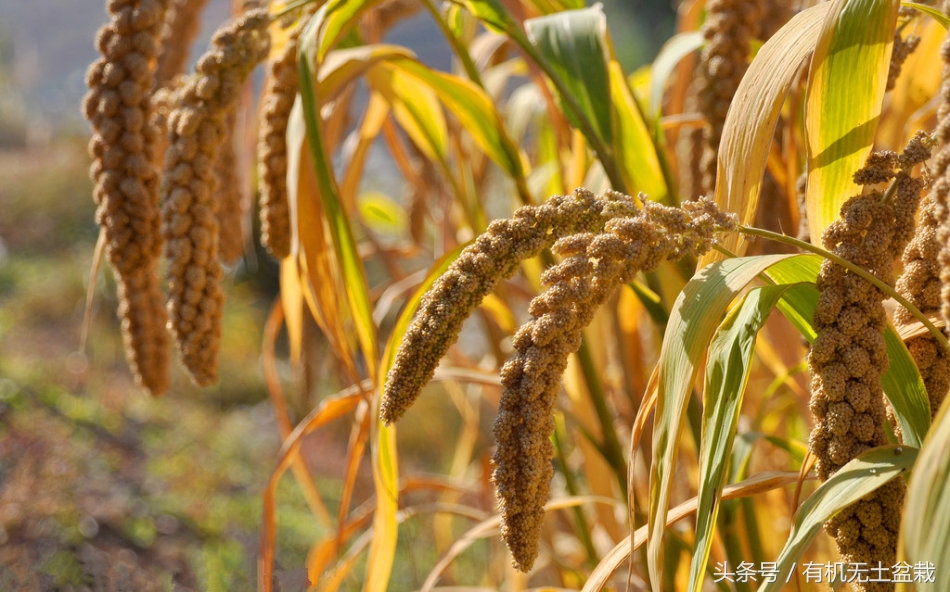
[848, 356]
[277, 101]
[594, 266]
[196, 130]
[126, 179]
[494, 255]
[729, 28]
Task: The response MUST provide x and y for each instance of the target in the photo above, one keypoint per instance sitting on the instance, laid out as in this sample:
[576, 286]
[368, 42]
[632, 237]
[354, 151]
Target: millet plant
[616, 246]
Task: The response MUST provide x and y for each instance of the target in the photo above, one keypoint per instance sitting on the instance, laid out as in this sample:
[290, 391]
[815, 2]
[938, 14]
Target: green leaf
[381, 213]
[729, 361]
[331, 21]
[574, 45]
[905, 391]
[695, 317]
[925, 529]
[844, 99]
[634, 142]
[492, 14]
[870, 470]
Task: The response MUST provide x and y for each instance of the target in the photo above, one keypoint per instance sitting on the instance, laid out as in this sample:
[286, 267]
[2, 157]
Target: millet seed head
[197, 129]
[574, 289]
[848, 356]
[494, 255]
[277, 101]
[126, 179]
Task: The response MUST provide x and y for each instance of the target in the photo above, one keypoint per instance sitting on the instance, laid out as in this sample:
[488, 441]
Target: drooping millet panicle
[594, 266]
[277, 101]
[940, 172]
[493, 256]
[126, 179]
[232, 198]
[920, 284]
[162, 101]
[179, 30]
[848, 356]
[730, 27]
[196, 132]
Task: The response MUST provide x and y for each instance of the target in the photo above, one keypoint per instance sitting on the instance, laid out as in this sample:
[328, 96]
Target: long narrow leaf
[382, 552]
[727, 373]
[634, 142]
[475, 111]
[415, 107]
[925, 529]
[344, 243]
[313, 275]
[574, 44]
[861, 476]
[332, 20]
[694, 319]
[673, 51]
[844, 99]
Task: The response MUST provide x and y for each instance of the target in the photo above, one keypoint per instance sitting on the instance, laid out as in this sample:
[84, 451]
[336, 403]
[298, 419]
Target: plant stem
[570, 484]
[611, 444]
[890, 291]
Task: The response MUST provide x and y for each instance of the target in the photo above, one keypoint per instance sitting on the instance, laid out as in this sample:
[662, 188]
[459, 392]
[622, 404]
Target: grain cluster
[604, 241]
[849, 357]
[126, 179]
[165, 174]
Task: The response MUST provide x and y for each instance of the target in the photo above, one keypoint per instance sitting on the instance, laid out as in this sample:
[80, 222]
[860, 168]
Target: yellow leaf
[319, 276]
[634, 142]
[750, 124]
[291, 297]
[415, 107]
[382, 551]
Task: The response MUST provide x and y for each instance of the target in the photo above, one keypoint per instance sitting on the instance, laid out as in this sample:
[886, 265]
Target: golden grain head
[197, 131]
[126, 179]
[848, 356]
[597, 264]
[277, 101]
